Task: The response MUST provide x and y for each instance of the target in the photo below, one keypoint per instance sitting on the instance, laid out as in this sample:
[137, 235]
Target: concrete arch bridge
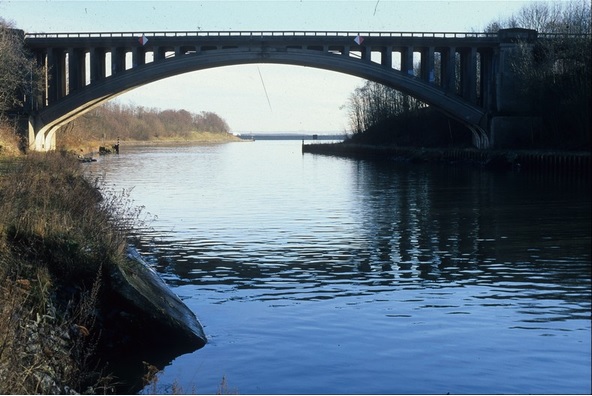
[466, 75]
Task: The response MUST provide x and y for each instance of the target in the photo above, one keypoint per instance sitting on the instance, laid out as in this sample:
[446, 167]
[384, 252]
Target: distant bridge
[472, 81]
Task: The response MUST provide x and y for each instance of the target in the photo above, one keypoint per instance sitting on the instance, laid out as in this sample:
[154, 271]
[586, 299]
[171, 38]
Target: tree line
[555, 77]
[114, 120]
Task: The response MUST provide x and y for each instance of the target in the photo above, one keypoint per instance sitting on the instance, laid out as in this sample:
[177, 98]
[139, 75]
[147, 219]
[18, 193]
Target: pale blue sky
[302, 99]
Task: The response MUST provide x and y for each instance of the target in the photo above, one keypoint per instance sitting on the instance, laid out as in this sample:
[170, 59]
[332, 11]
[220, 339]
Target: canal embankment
[574, 163]
[78, 306]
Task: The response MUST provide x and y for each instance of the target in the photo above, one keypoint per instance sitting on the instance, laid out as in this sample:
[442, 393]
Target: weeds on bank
[57, 237]
[151, 380]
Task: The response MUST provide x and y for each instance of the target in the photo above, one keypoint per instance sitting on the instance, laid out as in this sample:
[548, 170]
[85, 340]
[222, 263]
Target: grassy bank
[57, 237]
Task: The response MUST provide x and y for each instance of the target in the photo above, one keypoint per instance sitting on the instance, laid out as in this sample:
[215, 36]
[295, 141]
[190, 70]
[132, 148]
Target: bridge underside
[43, 126]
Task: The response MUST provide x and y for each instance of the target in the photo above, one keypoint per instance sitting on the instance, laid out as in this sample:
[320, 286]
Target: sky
[256, 98]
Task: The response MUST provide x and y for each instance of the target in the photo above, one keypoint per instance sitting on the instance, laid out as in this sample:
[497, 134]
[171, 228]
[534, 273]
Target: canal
[316, 274]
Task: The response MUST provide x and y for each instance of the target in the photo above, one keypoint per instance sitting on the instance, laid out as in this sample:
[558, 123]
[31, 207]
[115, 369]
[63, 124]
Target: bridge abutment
[511, 123]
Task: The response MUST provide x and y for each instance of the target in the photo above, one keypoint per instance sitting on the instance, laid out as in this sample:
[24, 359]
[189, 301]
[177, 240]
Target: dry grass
[57, 237]
[151, 382]
[9, 141]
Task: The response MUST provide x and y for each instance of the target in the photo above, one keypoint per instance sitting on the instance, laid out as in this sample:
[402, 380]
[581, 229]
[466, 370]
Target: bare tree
[19, 75]
[373, 103]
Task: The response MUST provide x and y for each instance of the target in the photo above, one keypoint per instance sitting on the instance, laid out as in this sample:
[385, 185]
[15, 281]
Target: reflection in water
[316, 274]
[413, 228]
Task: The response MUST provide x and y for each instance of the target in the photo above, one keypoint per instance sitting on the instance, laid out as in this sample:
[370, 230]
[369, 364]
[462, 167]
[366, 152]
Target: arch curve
[48, 120]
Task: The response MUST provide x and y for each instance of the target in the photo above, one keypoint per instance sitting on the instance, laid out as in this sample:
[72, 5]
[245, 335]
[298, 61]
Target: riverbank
[577, 163]
[91, 147]
[77, 305]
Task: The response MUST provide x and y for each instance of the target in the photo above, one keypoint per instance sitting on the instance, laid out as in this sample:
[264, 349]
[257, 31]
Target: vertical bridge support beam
[76, 69]
[407, 60]
[448, 71]
[427, 65]
[468, 60]
[56, 84]
[117, 60]
[138, 56]
[97, 64]
[386, 58]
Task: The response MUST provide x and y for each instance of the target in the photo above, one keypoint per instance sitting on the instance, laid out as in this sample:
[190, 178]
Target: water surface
[316, 274]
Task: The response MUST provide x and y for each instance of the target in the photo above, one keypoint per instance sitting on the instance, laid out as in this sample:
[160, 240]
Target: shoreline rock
[142, 321]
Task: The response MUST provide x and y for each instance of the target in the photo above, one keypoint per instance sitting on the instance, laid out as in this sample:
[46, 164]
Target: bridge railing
[293, 33]
[238, 33]
[563, 35]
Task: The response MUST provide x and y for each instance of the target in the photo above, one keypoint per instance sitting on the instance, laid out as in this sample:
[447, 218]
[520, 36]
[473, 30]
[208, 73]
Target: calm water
[316, 274]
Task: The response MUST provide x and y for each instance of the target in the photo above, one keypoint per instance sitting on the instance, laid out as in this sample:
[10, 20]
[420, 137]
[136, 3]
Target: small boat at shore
[86, 159]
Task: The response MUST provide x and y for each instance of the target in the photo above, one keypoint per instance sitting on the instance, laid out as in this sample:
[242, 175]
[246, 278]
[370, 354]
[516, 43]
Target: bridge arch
[44, 125]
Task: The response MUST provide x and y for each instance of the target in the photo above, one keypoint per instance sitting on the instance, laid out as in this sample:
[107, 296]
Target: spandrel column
[487, 80]
[448, 71]
[138, 56]
[386, 58]
[41, 58]
[158, 53]
[57, 72]
[345, 51]
[469, 74]
[427, 64]
[76, 69]
[97, 64]
[117, 60]
[407, 60]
